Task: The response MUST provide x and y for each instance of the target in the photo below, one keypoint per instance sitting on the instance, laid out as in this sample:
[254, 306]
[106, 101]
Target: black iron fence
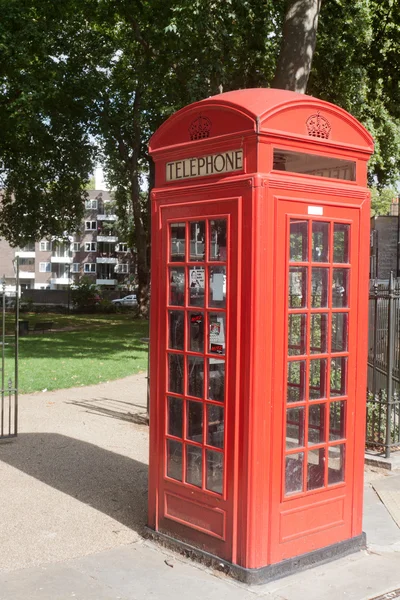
[383, 393]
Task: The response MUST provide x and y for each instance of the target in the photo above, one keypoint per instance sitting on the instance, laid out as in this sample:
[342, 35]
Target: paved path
[73, 505]
[75, 480]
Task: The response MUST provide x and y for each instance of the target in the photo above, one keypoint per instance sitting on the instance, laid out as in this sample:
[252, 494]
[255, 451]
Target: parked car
[130, 300]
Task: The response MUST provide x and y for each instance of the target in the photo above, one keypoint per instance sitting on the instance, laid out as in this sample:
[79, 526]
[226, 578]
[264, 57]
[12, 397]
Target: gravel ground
[74, 482]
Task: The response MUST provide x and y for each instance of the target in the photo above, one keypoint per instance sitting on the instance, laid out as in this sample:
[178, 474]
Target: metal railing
[383, 387]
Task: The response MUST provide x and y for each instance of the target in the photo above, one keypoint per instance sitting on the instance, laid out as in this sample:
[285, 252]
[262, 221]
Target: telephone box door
[197, 393]
[316, 351]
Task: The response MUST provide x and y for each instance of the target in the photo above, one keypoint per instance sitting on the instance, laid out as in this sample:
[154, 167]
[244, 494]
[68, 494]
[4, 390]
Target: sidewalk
[73, 503]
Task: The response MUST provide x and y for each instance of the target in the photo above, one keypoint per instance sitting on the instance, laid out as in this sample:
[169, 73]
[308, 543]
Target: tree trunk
[298, 45]
[142, 265]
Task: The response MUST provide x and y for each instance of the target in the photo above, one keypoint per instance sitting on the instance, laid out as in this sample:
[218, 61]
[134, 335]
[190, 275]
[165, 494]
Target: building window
[45, 246]
[122, 247]
[76, 247]
[30, 247]
[90, 225]
[91, 204]
[24, 262]
[90, 267]
[90, 246]
[75, 268]
[122, 268]
[45, 267]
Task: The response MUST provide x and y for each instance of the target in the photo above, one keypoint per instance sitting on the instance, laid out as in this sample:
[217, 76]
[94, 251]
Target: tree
[45, 149]
[381, 200]
[80, 79]
[298, 45]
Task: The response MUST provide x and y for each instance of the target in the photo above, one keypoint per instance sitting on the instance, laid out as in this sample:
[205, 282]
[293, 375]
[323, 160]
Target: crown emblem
[200, 128]
[318, 126]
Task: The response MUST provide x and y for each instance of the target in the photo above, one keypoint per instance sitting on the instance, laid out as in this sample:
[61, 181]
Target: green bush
[85, 295]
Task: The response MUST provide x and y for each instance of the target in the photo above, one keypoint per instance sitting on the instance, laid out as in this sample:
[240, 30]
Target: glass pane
[337, 421]
[320, 241]
[217, 292]
[215, 426]
[218, 240]
[316, 468]
[294, 473]
[316, 424]
[298, 240]
[194, 465]
[297, 287]
[197, 241]
[318, 333]
[216, 379]
[338, 376]
[174, 459]
[215, 471]
[339, 332]
[177, 286]
[175, 373]
[177, 242]
[317, 379]
[196, 332]
[195, 376]
[196, 286]
[340, 288]
[341, 243]
[315, 165]
[297, 334]
[216, 339]
[195, 421]
[175, 416]
[176, 321]
[319, 287]
[336, 463]
[294, 428]
[296, 379]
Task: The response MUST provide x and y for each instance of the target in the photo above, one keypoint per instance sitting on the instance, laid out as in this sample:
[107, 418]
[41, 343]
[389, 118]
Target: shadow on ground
[114, 409]
[72, 344]
[109, 482]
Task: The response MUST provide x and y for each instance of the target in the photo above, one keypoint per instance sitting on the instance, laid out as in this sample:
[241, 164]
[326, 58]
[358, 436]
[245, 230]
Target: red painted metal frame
[253, 524]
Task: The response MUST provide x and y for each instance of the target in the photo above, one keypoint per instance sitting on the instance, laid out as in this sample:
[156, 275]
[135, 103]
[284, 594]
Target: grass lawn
[108, 348]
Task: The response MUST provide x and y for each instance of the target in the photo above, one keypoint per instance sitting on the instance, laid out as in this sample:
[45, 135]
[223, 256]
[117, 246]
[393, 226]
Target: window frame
[91, 270]
[44, 270]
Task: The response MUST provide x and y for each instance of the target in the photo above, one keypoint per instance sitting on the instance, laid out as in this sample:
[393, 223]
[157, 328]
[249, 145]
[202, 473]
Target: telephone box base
[262, 574]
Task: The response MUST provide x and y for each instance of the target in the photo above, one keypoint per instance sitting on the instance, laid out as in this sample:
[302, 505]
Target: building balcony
[27, 275]
[106, 217]
[25, 254]
[61, 281]
[61, 260]
[106, 260]
[112, 239]
[106, 281]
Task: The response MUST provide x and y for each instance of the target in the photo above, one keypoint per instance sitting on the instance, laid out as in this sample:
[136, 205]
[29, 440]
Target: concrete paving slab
[388, 490]
[56, 583]
[383, 533]
[145, 571]
[357, 577]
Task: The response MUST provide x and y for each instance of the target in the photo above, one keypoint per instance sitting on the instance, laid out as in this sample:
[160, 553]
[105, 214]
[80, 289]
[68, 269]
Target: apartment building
[95, 251]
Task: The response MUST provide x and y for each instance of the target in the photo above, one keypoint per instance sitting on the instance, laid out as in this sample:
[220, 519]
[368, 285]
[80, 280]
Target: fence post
[390, 357]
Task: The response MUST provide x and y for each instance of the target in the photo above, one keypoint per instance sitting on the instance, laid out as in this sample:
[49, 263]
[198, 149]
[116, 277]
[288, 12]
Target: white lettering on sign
[315, 210]
[201, 166]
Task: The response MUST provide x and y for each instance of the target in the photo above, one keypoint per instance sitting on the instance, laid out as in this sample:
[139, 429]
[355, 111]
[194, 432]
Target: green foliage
[381, 200]
[85, 294]
[84, 80]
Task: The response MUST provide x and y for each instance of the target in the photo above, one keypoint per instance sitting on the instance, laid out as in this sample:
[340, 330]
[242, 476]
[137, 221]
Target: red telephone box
[260, 252]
